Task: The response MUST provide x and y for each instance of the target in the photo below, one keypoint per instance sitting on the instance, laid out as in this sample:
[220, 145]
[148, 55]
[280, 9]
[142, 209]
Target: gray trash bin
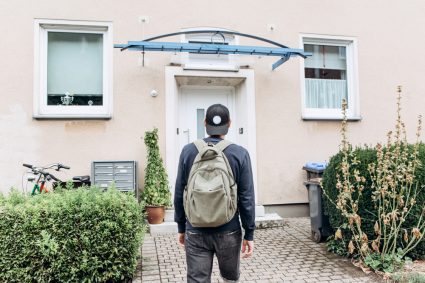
[320, 226]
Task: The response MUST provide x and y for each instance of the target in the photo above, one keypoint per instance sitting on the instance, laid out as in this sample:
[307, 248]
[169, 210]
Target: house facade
[69, 96]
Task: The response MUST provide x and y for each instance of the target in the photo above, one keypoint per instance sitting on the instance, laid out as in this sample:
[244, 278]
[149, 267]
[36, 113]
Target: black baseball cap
[217, 120]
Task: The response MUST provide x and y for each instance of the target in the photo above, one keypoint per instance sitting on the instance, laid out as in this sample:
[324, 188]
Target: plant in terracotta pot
[156, 193]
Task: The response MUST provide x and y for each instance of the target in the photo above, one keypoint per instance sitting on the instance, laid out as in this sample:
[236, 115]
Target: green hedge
[365, 156]
[83, 235]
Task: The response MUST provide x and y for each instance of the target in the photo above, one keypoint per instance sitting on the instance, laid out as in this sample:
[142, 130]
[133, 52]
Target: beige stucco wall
[390, 37]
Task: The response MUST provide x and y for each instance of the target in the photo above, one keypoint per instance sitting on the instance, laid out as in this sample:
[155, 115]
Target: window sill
[72, 117]
[312, 118]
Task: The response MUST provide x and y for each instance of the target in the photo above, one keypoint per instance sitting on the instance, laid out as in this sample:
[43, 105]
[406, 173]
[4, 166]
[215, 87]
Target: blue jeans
[200, 249]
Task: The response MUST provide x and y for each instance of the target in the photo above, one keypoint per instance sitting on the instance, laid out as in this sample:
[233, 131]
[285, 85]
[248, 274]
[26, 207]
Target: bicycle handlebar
[63, 166]
[57, 165]
[42, 170]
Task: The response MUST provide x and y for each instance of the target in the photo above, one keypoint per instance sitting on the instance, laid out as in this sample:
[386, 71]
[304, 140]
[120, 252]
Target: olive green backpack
[210, 197]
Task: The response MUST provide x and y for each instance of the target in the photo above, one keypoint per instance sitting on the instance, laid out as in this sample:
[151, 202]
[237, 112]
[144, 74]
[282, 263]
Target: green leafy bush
[367, 156]
[83, 235]
[387, 195]
[156, 189]
[419, 251]
[408, 277]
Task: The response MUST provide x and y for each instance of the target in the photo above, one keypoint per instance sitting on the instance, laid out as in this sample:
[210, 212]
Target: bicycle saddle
[84, 178]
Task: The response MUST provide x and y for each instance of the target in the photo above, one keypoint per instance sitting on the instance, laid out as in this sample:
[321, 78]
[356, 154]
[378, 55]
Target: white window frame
[209, 62]
[41, 109]
[353, 111]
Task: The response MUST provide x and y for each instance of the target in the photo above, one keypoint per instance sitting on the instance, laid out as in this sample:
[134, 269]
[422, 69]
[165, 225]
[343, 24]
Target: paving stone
[151, 278]
[150, 272]
[282, 254]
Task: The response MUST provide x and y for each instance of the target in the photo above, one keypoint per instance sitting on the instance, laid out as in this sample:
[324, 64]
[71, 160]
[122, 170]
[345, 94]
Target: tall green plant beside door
[156, 193]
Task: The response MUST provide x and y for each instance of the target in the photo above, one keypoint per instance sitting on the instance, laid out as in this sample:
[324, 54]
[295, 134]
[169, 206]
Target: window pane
[75, 67]
[200, 127]
[325, 93]
[325, 76]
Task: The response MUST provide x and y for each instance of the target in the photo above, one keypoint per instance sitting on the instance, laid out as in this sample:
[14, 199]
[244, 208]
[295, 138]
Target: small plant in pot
[156, 193]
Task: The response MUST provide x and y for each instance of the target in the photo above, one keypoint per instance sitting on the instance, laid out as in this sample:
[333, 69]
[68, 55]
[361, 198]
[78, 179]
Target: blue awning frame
[282, 51]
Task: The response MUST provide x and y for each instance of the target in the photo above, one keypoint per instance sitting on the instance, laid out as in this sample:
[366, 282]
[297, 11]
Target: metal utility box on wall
[122, 173]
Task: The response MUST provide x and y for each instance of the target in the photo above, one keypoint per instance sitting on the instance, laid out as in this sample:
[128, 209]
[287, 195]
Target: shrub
[419, 251]
[379, 209]
[408, 277]
[367, 156]
[156, 189]
[82, 235]
[392, 185]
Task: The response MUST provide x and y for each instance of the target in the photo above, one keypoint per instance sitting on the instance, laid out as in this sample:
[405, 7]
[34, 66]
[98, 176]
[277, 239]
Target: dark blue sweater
[241, 166]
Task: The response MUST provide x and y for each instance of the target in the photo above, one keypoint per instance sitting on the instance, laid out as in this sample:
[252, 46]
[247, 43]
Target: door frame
[244, 106]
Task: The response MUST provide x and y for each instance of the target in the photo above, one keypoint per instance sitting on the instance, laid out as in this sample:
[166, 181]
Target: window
[328, 77]
[73, 69]
[192, 60]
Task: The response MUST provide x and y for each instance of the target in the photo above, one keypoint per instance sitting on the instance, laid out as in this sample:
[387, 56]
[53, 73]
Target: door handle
[187, 132]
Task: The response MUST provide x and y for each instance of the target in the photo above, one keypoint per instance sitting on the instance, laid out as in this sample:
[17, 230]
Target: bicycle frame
[43, 176]
[39, 188]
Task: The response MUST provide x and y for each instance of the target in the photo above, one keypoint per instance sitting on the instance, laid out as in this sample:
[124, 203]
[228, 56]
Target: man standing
[201, 243]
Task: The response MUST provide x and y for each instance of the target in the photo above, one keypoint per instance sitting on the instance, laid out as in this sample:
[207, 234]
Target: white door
[194, 102]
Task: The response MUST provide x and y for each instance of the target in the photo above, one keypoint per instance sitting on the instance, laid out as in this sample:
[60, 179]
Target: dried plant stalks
[394, 192]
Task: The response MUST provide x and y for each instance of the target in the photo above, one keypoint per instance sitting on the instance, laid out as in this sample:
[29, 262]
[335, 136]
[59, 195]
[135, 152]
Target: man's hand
[180, 239]
[247, 248]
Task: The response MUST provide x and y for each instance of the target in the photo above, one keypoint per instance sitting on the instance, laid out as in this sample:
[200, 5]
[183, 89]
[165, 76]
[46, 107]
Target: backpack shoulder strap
[222, 145]
[199, 144]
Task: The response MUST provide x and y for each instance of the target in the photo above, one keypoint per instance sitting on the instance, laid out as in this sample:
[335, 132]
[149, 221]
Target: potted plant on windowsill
[156, 193]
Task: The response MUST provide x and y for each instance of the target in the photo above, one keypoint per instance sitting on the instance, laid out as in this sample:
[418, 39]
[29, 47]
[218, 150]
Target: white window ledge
[352, 119]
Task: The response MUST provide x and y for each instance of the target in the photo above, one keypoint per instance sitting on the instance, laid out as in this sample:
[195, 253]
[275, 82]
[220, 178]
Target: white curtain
[321, 93]
[75, 63]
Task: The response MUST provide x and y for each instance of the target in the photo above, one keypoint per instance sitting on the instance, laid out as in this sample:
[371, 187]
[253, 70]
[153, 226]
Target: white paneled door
[194, 104]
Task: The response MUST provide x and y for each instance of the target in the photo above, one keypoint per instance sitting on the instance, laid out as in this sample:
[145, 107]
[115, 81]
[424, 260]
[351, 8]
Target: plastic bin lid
[316, 166]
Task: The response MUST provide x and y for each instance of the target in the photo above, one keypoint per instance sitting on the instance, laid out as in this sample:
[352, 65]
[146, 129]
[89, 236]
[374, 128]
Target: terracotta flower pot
[155, 214]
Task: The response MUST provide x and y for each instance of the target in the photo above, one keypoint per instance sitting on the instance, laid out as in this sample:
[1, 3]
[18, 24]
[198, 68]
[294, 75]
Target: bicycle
[41, 176]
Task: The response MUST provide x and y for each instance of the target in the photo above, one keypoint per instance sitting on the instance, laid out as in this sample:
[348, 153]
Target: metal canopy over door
[194, 103]
[220, 47]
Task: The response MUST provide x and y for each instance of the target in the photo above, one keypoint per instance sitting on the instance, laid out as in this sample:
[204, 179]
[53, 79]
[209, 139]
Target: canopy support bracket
[280, 61]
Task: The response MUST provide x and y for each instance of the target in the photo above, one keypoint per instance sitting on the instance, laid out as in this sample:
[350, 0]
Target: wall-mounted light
[154, 93]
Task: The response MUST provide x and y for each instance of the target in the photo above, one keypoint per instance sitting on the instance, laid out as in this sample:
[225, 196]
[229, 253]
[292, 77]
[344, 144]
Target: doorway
[188, 94]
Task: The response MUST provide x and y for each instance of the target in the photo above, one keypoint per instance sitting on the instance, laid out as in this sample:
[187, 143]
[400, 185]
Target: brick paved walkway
[285, 254]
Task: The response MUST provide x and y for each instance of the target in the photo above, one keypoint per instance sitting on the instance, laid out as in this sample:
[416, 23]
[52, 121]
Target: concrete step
[270, 220]
[163, 228]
